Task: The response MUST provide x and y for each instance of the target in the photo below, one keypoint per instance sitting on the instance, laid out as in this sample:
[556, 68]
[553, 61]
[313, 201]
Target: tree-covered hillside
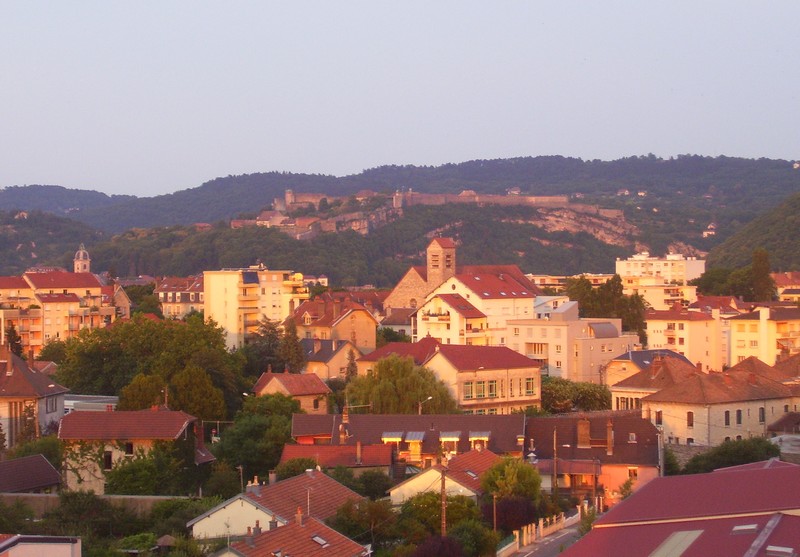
[727, 191]
[774, 230]
[487, 235]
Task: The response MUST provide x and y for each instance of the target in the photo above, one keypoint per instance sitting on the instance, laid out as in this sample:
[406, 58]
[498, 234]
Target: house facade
[694, 334]
[767, 333]
[307, 388]
[332, 318]
[180, 296]
[238, 299]
[328, 359]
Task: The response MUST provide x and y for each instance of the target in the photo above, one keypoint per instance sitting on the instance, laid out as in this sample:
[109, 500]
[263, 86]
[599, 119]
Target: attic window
[472, 474]
[745, 529]
[502, 293]
[631, 438]
[780, 551]
[320, 541]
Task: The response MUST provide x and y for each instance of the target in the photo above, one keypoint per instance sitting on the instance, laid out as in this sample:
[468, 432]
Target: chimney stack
[273, 477]
[699, 366]
[609, 437]
[358, 453]
[257, 529]
[298, 516]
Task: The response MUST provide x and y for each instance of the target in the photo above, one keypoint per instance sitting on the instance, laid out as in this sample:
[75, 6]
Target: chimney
[249, 537]
[699, 366]
[317, 345]
[657, 365]
[273, 524]
[257, 529]
[751, 378]
[609, 437]
[273, 477]
[337, 306]
[358, 453]
[299, 516]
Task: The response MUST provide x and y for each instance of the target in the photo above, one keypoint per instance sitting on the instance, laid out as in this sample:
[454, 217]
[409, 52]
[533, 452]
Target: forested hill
[729, 191]
[776, 231]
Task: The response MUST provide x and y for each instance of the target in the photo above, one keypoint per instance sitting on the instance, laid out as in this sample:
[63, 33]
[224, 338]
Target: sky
[151, 97]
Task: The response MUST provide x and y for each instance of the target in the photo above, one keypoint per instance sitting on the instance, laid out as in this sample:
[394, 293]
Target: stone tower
[441, 263]
[82, 262]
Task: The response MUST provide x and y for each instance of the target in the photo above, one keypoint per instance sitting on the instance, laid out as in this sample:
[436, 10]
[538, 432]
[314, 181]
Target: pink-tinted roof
[330, 456]
[296, 384]
[444, 242]
[728, 386]
[703, 538]
[466, 358]
[461, 305]
[497, 285]
[311, 538]
[180, 284]
[762, 490]
[120, 425]
[283, 498]
[790, 278]
[27, 474]
[13, 283]
[58, 298]
[62, 279]
[676, 313]
[467, 468]
[18, 380]
[663, 372]
[326, 311]
[420, 351]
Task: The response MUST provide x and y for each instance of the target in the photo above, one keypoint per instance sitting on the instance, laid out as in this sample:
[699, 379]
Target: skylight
[745, 529]
[320, 541]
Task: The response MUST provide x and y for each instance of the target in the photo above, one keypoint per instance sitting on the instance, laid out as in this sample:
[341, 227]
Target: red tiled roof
[790, 278]
[118, 425]
[398, 316]
[461, 305]
[325, 311]
[58, 298]
[296, 384]
[790, 367]
[62, 279]
[330, 456]
[23, 381]
[662, 373]
[27, 474]
[676, 313]
[497, 285]
[726, 304]
[764, 464]
[284, 497]
[420, 351]
[468, 357]
[180, 284]
[467, 468]
[444, 242]
[736, 492]
[13, 283]
[774, 313]
[716, 388]
[312, 538]
[754, 365]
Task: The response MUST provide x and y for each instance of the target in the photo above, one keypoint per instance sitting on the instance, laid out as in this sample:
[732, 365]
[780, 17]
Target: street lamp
[420, 403]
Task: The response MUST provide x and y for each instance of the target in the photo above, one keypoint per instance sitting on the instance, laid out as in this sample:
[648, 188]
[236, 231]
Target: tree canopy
[732, 453]
[397, 386]
[512, 477]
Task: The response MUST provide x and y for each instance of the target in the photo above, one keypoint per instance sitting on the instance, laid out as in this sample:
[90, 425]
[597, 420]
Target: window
[633, 473]
[468, 391]
[690, 440]
[558, 349]
[753, 344]
[762, 415]
[785, 408]
[516, 331]
[738, 417]
[50, 403]
[689, 419]
[316, 404]
[107, 462]
[659, 417]
[480, 389]
[492, 392]
[631, 438]
[530, 386]
[129, 449]
[727, 417]
[680, 326]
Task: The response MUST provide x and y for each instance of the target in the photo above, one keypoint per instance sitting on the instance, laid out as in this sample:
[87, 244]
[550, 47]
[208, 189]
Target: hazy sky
[151, 97]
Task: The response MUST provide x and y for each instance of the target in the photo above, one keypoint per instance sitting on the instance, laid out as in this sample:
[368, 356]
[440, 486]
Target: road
[552, 545]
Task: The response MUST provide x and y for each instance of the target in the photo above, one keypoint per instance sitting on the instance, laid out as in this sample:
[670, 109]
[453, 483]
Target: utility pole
[494, 510]
[555, 466]
[444, 501]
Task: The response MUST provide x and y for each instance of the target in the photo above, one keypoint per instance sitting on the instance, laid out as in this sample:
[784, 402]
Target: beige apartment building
[694, 334]
[237, 299]
[659, 294]
[769, 334]
[451, 319]
[674, 268]
[569, 346]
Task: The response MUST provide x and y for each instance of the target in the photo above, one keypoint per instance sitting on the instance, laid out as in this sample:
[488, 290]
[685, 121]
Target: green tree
[511, 477]
[15, 517]
[13, 340]
[223, 482]
[385, 335]
[732, 453]
[671, 465]
[54, 350]
[562, 395]
[475, 538]
[48, 446]
[352, 369]
[396, 386]
[155, 472]
[262, 351]
[367, 521]
[345, 476]
[626, 488]
[374, 484]
[294, 467]
[143, 392]
[291, 351]
[421, 515]
[258, 434]
[763, 284]
[587, 519]
[714, 282]
[194, 393]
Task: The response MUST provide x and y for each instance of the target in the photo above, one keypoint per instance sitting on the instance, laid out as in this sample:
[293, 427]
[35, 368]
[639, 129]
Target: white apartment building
[675, 268]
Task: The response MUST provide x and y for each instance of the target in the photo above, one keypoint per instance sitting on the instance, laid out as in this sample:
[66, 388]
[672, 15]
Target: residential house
[694, 334]
[743, 510]
[418, 440]
[180, 296]
[30, 402]
[484, 299]
[307, 388]
[273, 505]
[487, 379]
[418, 351]
[632, 362]
[238, 299]
[20, 545]
[462, 476]
[332, 318]
[567, 345]
[29, 474]
[328, 358]
[768, 333]
[356, 457]
[592, 454]
[119, 435]
[305, 536]
[451, 319]
[788, 286]
[398, 320]
[709, 408]
[663, 372]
